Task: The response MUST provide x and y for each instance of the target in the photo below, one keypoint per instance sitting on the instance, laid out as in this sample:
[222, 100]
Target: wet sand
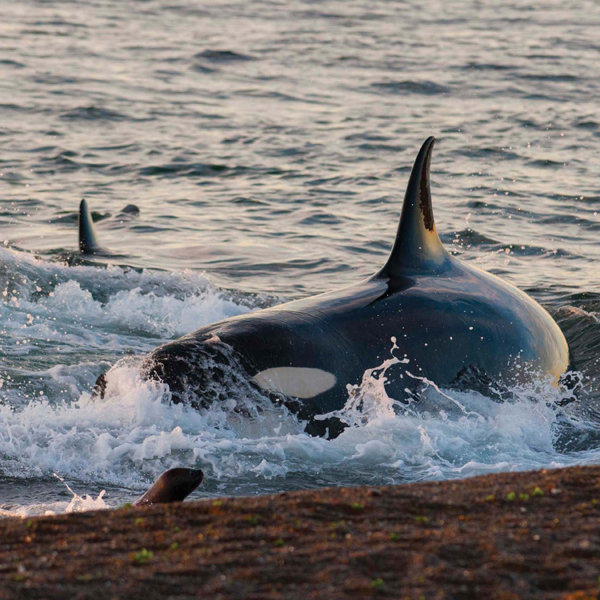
[509, 536]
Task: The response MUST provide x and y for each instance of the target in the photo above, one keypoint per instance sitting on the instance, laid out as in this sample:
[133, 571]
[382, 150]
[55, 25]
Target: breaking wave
[63, 326]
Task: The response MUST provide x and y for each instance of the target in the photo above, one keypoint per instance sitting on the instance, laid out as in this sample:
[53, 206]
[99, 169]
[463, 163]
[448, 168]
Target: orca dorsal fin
[417, 246]
[88, 244]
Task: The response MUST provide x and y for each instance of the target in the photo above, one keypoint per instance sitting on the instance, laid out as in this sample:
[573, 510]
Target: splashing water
[63, 326]
[79, 504]
[272, 153]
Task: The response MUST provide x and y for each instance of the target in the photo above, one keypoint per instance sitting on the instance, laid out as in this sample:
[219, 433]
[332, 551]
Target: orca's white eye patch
[299, 382]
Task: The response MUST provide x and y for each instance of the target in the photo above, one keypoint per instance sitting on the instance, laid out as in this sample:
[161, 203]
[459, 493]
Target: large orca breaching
[453, 322]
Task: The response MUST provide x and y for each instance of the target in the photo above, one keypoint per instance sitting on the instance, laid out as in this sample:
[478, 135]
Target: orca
[451, 323]
[88, 240]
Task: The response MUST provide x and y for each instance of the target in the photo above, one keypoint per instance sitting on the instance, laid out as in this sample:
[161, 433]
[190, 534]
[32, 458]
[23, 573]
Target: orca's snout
[197, 373]
[160, 366]
[165, 365]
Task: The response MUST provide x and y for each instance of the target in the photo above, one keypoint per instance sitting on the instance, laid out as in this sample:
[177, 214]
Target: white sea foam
[130, 438]
[58, 338]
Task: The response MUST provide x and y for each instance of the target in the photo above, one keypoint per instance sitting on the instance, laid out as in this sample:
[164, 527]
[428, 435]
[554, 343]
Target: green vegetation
[143, 556]
[335, 524]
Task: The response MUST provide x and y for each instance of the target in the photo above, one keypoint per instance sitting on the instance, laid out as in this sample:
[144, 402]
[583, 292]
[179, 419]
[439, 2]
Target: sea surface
[267, 145]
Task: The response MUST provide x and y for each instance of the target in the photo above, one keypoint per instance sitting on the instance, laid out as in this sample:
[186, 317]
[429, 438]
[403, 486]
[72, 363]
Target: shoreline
[509, 535]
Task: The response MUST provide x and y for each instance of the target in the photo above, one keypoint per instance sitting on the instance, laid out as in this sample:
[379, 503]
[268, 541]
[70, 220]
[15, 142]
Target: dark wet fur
[174, 485]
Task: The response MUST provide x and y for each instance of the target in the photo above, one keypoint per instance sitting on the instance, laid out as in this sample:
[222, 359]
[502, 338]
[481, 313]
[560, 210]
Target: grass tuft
[143, 556]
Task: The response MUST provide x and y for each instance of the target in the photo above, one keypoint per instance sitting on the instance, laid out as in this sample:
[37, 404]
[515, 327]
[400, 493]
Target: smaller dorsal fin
[417, 246]
[88, 244]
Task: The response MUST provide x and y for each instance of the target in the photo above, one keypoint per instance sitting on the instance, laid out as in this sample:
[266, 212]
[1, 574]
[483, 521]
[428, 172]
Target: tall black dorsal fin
[88, 244]
[417, 246]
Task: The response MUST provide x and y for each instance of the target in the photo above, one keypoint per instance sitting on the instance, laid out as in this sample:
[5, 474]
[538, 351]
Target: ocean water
[267, 145]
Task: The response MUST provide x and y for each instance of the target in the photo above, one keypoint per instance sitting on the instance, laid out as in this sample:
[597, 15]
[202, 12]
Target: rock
[454, 539]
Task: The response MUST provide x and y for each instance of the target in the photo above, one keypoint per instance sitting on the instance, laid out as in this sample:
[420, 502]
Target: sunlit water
[267, 145]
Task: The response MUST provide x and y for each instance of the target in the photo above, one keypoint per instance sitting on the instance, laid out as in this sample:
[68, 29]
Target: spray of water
[62, 326]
